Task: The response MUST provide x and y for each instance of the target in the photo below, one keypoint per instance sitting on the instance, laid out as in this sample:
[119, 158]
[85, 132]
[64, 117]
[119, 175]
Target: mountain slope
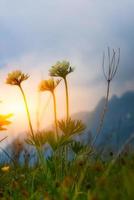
[118, 122]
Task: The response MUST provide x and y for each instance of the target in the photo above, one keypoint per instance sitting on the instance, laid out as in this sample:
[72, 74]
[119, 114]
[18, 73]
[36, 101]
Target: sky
[35, 34]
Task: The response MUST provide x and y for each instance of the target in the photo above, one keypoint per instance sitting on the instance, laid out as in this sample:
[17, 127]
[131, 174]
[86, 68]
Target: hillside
[119, 119]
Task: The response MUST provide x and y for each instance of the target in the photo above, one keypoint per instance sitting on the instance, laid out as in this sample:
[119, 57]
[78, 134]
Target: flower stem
[55, 115]
[67, 98]
[27, 111]
[67, 118]
[99, 128]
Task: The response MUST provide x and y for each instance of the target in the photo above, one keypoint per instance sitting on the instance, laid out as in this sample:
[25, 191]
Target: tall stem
[55, 114]
[27, 111]
[67, 98]
[67, 118]
[103, 113]
[38, 112]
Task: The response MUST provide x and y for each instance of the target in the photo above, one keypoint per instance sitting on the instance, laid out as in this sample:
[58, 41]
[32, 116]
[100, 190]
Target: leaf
[71, 127]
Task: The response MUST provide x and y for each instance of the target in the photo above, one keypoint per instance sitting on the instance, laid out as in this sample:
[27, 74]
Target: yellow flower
[4, 121]
[48, 85]
[5, 168]
[16, 77]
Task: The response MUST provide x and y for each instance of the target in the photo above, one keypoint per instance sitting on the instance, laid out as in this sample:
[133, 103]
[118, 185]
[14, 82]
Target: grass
[78, 182]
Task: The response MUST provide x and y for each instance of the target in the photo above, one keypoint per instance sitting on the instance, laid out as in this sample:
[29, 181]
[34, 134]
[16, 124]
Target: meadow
[72, 170]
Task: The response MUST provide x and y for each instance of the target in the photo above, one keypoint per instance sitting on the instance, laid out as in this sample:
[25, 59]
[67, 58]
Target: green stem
[27, 111]
[67, 118]
[55, 115]
[38, 112]
[67, 98]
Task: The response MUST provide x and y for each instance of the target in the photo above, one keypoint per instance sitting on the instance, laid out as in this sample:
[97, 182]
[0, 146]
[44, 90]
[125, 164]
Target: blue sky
[34, 34]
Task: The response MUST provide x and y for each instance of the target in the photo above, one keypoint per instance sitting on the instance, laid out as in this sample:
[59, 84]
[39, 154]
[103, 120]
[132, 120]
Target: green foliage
[41, 138]
[71, 127]
[79, 148]
[47, 137]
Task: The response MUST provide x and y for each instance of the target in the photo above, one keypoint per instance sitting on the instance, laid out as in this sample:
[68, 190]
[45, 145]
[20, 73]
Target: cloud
[42, 32]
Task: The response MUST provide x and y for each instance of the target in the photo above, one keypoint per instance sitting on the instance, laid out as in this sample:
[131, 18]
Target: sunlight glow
[16, 109]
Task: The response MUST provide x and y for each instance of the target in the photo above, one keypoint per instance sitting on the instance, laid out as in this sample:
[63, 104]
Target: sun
[16, 108]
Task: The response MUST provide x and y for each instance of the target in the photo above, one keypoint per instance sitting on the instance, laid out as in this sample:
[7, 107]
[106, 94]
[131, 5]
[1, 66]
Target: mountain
[118, 121]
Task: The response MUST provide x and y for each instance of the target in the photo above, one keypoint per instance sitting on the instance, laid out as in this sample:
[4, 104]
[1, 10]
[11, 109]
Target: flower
[16, 77]
[4, 121]
[61, 69]
[48, 85]
[5, 168]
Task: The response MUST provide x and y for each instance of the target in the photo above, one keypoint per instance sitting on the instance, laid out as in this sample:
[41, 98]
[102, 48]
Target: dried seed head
[61, 69]
[112, 63]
